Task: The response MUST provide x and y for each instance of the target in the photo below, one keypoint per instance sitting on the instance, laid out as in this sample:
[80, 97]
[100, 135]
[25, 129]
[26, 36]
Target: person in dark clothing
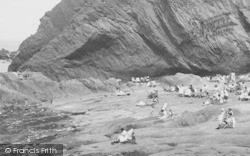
[191, 88]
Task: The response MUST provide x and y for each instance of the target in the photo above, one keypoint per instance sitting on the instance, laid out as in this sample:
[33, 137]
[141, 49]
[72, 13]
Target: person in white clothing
[163, 111]
[225, 94]
[221, 116]
[125, 137]
[181, 91]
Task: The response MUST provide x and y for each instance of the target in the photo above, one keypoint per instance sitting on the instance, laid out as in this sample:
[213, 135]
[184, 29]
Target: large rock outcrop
[111, 38]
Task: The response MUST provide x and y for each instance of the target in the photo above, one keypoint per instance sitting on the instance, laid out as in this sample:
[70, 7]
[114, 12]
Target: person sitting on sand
[216, 96]
[200, 94]
[228, 120]
[181, 91]
[138, 80]
[221, 116]
[122, 137]
[133, 80]
[230, 112]
[19, 76]
[141, 104]
[143, 80]
[154, 95]
[222, 94]
[151, 84]
[121, 93]
[147, 79]
[166, 112]
[125, 137]
[163, 111]
[205, 90]
[171, 114]
[188, 92]
[191, 88]
[244, 95]
[207, 102]
[26, 74]
[119, 81]
[166, 88]
[241, 86]
[225, 94]
[221, 99]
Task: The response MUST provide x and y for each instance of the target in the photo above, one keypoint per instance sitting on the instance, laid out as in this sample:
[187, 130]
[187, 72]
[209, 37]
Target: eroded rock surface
[107, 38]
[38, 88]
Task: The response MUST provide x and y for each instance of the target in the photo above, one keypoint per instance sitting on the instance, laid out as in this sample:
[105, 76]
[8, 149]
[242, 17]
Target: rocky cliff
[124, 38]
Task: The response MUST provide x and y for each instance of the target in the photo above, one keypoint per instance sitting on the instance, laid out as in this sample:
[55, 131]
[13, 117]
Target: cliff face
[124, 38]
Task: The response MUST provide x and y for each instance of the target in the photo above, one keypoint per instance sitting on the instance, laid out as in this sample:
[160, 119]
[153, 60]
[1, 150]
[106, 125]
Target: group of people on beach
[218, 94]
[25, 75]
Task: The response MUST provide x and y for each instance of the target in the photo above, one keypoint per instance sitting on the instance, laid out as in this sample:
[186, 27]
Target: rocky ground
[86, 124]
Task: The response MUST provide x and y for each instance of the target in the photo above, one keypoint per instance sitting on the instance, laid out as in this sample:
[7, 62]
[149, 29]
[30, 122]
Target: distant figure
[228, 120]
[230, 112]
[166, 88]
[119, 81]
[141, 104]
[163, 111]
[233, 77]
[133, 80]
[188, 92]
[155, 97]
[147, 79]
[221, 100]
[19, 75]
[51, 101]
[121, 93]
[225, 94]
[181, 91]
[244, 95]
[191, 88]
[26, 74]
[151, 84]
[171, 114]
[221, 116]
[125, 137]
[138, 80]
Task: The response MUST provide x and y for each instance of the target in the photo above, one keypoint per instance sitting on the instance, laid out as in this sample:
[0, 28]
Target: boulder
[103, 39]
